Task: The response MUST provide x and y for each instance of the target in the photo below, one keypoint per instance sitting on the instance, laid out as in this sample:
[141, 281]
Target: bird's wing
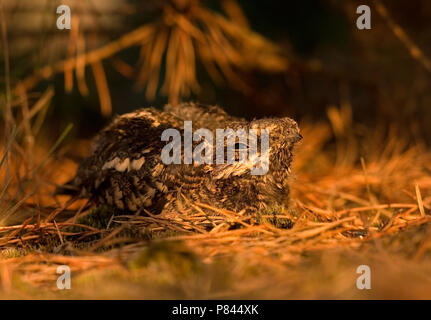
[124, 159]
[202, 116]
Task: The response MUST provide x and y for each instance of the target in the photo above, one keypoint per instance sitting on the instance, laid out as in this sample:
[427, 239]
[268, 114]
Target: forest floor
[358, 198]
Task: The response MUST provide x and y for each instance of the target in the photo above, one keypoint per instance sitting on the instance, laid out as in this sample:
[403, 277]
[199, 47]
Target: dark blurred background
[330, 61]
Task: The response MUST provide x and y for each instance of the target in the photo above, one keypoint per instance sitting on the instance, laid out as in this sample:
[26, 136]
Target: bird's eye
[240, 146]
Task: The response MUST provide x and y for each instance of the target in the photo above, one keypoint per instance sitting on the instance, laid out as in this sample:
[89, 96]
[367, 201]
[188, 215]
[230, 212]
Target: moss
[172, 253]
[272, 215]
[148, 234]
[99, 217]
[9, 253]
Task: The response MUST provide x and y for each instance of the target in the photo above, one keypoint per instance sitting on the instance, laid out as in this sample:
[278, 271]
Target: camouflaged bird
[125, 169]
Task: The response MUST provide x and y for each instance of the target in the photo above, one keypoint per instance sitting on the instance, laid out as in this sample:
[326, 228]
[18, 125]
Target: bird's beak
[298, 137]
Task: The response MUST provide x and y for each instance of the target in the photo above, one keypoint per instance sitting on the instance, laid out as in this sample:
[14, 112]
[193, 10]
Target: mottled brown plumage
[124, 169]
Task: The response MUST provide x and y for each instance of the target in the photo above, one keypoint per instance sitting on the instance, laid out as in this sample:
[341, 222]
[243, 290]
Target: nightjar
[125, 168]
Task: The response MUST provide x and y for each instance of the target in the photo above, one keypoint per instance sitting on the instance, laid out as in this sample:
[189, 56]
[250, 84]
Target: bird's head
[258, 147]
